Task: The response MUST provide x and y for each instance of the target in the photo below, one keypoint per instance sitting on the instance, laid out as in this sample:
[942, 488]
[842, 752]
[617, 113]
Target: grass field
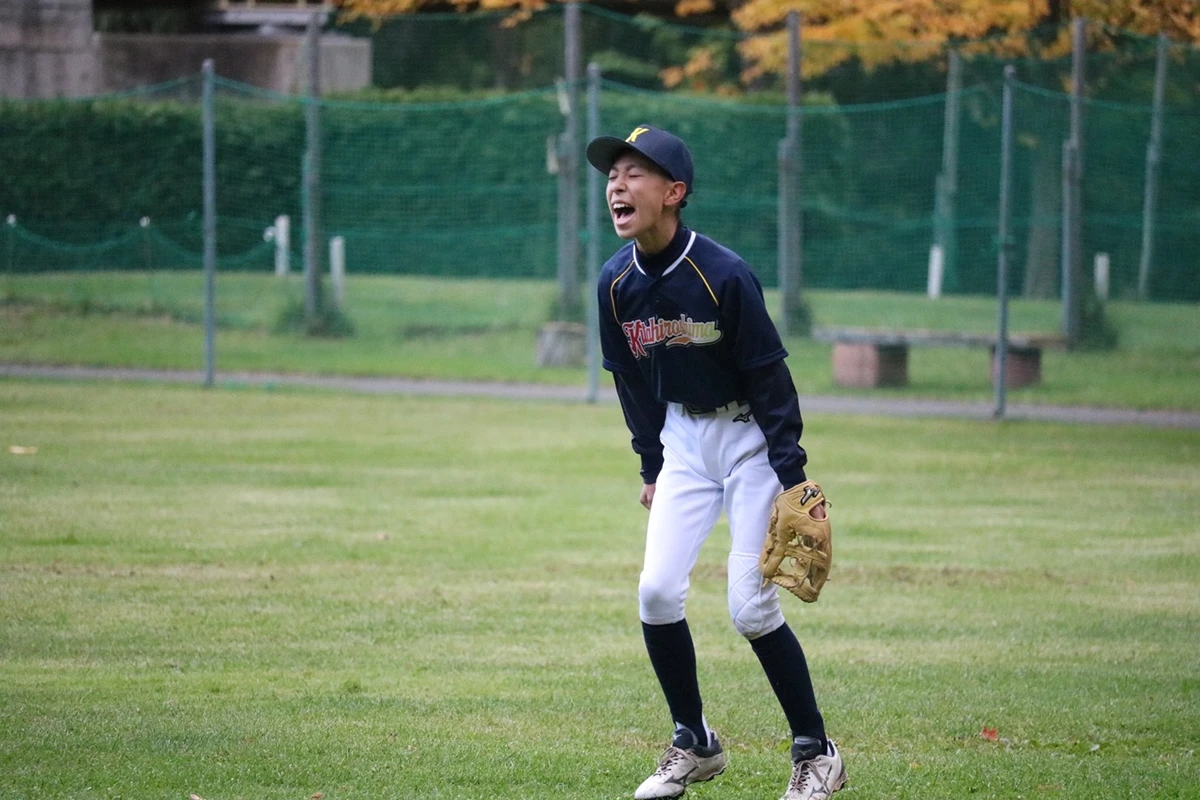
[265, 594]
[485, 330]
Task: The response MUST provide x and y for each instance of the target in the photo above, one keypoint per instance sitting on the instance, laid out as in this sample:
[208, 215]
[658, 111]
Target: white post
[1100, 272]
[337, 269]
[283, 236]
[147, 258]
[11, 221]
[937, 265]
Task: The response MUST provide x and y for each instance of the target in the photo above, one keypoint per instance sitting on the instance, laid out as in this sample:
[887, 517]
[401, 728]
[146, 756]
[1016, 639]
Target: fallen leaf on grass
[22, 450]
[989, 733]
[195, 797]
[318, 795]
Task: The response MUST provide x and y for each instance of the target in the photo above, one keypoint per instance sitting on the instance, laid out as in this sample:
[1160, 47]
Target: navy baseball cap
[665, 150]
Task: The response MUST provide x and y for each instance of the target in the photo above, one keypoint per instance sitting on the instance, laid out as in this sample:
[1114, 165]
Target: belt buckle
[704, 411]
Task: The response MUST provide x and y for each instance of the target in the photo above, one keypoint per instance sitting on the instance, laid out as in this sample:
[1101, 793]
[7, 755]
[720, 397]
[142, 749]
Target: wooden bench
[865, 358]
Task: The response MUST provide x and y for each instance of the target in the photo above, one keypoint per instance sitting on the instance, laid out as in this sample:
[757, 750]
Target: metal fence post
[1072, 233]
[946, 184]
[1068, 239]
[1004, 242]
[312, 174]
[1153, 155]
[210, 224]
[593, 238]
[784, 214]
[789, 221]
[568, 159]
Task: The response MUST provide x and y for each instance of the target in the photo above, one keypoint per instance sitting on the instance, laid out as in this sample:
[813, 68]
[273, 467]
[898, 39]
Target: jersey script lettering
[643, 333]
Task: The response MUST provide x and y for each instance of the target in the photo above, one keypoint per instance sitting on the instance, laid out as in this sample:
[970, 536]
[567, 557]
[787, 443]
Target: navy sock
[673, 657]
[782, 659]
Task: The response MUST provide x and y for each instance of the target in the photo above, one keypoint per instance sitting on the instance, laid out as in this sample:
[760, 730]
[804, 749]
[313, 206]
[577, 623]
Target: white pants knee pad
[754, 608]
[661, 600]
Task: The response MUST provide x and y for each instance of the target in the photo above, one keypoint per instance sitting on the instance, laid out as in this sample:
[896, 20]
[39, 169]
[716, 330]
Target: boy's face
[640, 197]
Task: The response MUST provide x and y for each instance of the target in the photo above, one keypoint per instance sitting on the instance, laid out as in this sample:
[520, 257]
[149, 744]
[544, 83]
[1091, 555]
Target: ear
[675, 194]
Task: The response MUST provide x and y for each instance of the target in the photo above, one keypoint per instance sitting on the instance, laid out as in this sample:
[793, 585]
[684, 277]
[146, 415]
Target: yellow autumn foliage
[874, 31]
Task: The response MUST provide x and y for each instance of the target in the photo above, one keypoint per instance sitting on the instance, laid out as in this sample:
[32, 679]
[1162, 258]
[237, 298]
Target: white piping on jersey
[676, 263]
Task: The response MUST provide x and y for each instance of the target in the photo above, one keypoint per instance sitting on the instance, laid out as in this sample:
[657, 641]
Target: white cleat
[679, 767]
[817, 778]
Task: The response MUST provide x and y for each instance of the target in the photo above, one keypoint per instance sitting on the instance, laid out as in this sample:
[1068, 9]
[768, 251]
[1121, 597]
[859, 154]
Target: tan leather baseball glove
[799, 548]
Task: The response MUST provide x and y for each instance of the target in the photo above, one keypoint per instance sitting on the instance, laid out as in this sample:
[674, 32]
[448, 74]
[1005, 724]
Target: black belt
[700, 411]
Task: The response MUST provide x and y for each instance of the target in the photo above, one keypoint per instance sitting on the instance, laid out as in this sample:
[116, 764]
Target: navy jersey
[689, 325]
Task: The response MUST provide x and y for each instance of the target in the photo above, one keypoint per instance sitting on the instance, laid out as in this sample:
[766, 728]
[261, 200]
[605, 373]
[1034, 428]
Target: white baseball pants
[710, 462]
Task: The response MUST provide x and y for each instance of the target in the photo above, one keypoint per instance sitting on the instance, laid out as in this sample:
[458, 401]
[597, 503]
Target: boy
[700, 373]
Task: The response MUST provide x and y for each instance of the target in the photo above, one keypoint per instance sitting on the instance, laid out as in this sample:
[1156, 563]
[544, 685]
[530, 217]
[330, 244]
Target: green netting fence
[463, 188]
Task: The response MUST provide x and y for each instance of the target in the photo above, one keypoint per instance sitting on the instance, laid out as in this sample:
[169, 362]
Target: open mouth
[621, 211]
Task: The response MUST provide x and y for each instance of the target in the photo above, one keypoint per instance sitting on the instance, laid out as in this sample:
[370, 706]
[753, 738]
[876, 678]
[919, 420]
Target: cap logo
[636, 133]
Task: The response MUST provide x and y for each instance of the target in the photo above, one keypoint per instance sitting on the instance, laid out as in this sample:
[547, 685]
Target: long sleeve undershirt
[773, 402]
[644, 416]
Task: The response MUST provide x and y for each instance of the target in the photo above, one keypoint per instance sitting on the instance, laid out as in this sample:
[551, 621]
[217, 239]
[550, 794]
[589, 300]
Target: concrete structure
[47, 49]
[265, 15]
[866, 359]
[863, 365]
[1022, 366]
[274, 61]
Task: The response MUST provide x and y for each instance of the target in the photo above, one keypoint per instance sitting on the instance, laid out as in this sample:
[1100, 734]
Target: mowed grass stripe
[474, 329]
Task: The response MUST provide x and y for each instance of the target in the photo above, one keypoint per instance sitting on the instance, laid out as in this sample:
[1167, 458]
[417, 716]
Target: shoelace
[802, 775]
[670, 758]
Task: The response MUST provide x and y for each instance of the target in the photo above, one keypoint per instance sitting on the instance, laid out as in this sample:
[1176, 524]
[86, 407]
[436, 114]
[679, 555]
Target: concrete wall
[277, 62]
[47, 48]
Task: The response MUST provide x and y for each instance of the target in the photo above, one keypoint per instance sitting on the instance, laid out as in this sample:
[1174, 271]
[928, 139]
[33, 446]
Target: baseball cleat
[815, 778]
[682, 764]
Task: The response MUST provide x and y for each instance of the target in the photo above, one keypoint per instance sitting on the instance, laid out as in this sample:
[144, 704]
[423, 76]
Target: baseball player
[700, 373]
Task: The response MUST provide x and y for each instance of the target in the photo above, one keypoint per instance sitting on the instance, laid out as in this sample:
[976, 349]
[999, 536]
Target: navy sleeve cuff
[650, 469]
[793, 479]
